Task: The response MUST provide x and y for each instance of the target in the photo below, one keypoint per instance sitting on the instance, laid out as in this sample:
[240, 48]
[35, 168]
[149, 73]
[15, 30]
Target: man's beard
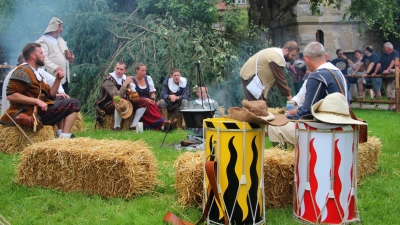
[39, 62]
[286, 57]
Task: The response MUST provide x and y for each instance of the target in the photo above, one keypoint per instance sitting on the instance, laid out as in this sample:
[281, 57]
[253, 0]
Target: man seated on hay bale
[47, 78]
[324, 79]
[118, 84]
[174, 93]
[115, 84]
[27, 89]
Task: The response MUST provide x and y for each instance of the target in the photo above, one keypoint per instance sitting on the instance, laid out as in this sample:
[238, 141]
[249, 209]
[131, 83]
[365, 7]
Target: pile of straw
[78, 124]
[278, 177]
[222, 111]
[109, 122]
[126, 123]
[178, 116]
[109, 168]
[368, 155]
[277, 111]
[278, 174]
[12, 140]
[189, 178]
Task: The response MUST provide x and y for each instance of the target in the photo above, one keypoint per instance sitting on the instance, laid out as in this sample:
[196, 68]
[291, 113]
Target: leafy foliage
[161, 34]
[382, 17]
[161, 42]
[315, 5]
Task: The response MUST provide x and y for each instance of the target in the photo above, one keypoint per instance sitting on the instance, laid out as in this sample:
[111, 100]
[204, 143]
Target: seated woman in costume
[142, 95]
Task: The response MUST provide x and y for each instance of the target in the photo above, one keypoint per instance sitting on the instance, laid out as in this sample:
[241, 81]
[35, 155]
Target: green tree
[382, 17]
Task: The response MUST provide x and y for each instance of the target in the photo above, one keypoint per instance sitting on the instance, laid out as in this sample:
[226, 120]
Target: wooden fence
[397, 93]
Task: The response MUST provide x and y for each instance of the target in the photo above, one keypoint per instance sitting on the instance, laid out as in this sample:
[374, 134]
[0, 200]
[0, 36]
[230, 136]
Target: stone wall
[300, 25]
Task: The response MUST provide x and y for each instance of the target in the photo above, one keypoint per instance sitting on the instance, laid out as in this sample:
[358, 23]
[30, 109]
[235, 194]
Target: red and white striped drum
[326, 173]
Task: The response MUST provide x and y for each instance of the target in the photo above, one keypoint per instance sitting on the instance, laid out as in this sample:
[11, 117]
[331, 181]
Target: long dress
[152, 118]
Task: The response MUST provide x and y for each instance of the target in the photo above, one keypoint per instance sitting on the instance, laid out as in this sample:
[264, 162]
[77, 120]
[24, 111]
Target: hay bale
[109, 168]
[222, 111]
[109, 122]
[13, 141]
[277, 111]
[126, 123]
[78, 124]
[368, 155]
[178, 116]
[189, 178]
[278, 177]
[278, 174]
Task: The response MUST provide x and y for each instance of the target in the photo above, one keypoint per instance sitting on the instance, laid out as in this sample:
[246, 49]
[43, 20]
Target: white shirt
[152, 88]
[117, 79]
[175, 87]
[301, 96]
[205, 103]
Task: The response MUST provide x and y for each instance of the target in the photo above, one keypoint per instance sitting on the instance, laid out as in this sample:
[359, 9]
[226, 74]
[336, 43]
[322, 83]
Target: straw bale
[78, 124]
[368, 155]
[278, 173]
[277, 111]
[13, 141]
[222, 111]
[109, 168]
[278, 177]
[178, 116]
[109, 122]
[189, 178]
[126, 123]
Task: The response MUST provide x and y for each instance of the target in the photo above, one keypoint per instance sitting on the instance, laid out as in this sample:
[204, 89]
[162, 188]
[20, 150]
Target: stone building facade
[329, 29]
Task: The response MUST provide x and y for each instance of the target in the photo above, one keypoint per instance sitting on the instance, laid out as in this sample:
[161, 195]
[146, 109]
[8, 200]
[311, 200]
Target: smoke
[25, 22]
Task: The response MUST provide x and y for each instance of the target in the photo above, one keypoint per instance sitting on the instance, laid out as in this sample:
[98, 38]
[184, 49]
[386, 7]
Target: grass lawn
[378, 194]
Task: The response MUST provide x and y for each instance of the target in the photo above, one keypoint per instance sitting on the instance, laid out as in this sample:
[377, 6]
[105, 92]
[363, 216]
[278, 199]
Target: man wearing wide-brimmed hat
[266, 69]
[58, 56]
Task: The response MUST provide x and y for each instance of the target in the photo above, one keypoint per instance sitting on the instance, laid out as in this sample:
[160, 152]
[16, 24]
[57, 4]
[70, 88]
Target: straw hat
[123, 107]
[53, 25]
[333, 109]
[256, 112]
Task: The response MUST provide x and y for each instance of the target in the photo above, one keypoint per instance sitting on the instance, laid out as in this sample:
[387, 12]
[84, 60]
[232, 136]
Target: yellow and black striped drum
[237, 147]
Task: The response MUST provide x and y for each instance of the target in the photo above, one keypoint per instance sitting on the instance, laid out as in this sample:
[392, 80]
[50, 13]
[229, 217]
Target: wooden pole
[396, 67]
[375, 101]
